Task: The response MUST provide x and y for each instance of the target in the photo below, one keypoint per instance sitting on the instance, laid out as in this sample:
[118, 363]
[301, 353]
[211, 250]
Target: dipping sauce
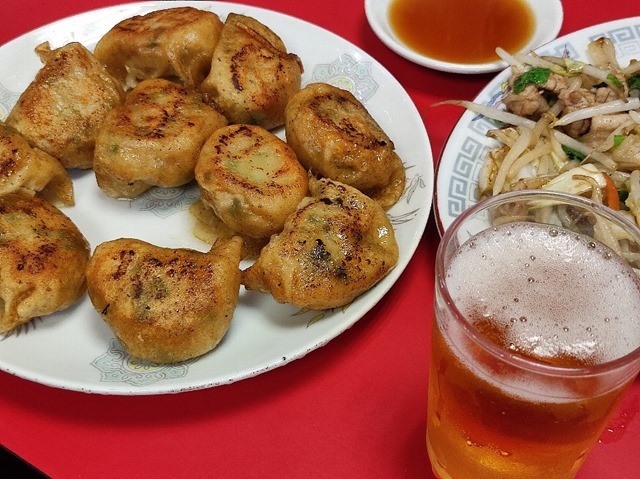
[462, 31]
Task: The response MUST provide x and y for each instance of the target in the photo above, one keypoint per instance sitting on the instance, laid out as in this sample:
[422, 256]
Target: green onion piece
[534, 76]
[634, 82]
[617, 139]
[573, 66]
[573, 154]
[614, 80]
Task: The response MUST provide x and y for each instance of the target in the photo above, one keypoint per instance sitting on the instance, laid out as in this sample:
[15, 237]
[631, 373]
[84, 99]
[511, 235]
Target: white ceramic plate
[467, 146]
[75, 350]
[548, 18]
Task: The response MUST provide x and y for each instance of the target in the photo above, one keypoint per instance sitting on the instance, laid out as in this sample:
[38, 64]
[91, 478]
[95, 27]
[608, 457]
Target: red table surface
[354, 408]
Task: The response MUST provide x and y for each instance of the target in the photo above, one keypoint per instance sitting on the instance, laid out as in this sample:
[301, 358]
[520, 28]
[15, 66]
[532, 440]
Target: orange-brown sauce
[462, 31]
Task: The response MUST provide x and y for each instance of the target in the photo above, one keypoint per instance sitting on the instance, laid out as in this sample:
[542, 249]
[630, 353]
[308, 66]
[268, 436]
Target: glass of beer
[536, 335]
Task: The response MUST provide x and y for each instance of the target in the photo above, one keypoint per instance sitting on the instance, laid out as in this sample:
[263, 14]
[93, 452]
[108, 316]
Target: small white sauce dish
[548, 16]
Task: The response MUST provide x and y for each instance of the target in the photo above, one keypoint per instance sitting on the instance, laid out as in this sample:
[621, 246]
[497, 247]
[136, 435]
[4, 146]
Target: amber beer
[531, 323]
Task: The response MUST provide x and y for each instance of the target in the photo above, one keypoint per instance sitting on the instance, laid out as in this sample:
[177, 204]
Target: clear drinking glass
[536, 335]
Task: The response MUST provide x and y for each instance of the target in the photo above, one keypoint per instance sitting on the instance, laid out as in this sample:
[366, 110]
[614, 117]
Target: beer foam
[548, 293]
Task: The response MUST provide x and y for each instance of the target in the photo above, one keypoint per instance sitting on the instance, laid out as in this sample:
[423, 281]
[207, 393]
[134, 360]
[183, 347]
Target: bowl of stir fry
[565, 117]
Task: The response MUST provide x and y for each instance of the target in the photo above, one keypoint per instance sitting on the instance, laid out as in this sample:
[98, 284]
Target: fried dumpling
[43, 256]
[252, 76]
[153, 139]
[334, 136]
[251, 179]
[165, 305]
[31, 171]
[61, 110]
[337, 245]
[176, 43]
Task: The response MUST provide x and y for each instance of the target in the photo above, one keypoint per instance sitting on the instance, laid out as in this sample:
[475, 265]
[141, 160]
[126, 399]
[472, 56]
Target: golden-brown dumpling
[251, 179]
[153, 139]
[176, 43]
[61, 110]
[334, 136]
[43, 257]
[165, 305]
[252, 76]
[31, 171]
[337, 245]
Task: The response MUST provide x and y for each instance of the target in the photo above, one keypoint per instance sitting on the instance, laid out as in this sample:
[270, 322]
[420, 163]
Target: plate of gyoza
[201, 233]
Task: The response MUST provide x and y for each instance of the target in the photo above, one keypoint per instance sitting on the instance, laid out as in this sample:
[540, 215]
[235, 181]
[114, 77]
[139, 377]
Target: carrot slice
[611, 198]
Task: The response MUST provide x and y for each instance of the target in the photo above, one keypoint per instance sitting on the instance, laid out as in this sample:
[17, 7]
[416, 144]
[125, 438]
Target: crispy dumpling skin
[337, 245]
[165, 305]
[43, 256]
[251, 179]
[153, 139]
[61, 110]
[31, 171]
[334, 136]
[176, 43]
[252, 76]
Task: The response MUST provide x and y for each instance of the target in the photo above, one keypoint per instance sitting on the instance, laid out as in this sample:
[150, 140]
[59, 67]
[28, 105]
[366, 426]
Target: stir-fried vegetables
[567, 125]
